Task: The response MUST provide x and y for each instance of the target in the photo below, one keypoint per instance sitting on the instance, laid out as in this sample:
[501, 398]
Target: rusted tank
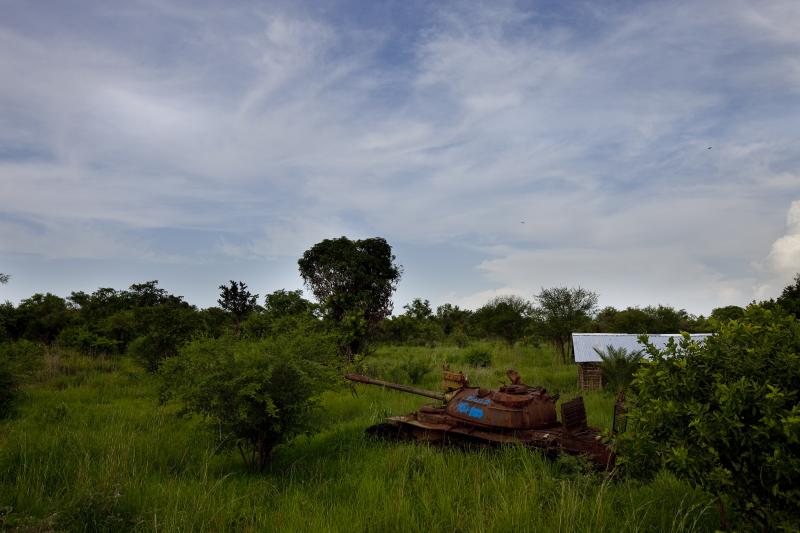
[514, 413]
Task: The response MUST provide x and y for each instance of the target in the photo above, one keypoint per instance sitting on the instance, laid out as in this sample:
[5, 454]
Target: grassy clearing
[91, 450]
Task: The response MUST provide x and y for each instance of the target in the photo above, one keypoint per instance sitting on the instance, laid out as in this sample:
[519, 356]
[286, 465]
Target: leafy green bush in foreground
[256, 394]
[724, 415]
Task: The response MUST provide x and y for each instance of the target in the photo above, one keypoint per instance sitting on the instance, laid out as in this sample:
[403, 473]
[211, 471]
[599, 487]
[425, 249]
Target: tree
[418, 309]
[790, 297]
[618, 367]
[561, 311]
[42, 317]
[730, 312]
[506, 317]
[162, 330]
[416, 326]
[353, 282]
[659, 319]
[254, 394]
[725, 415]
[149, 294]
[237, 300]
[287, 303]
[452, 319]
[283, 311]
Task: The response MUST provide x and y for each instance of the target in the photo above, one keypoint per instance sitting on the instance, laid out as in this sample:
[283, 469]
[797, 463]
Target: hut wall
[590, 376]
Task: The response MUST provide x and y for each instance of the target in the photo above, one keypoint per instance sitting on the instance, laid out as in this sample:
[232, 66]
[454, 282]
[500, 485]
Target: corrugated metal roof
[585, 343]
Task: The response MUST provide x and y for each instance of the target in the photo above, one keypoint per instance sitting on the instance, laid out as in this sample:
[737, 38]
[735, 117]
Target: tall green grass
[92, 450]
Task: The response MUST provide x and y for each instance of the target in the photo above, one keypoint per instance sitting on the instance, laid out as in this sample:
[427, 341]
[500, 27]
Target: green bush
[82, 339]
[149, 351]
[416, 368]
[256, 394]
[24, 357]
[725, 416]
[459, 338]
[478, 357]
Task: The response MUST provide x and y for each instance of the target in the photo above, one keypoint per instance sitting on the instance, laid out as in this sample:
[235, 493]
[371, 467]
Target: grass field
[91, 449]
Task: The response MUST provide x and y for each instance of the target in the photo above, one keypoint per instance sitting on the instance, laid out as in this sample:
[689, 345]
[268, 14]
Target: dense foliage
[725, 415]
[255, 394]
[353, 281]
[653, 319]
[562, 311]
[504, 317]
[618, 367]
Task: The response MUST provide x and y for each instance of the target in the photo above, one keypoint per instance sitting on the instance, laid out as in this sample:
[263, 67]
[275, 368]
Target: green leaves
[256, 394]
[618, 367]
[724, 415]
[354, 282]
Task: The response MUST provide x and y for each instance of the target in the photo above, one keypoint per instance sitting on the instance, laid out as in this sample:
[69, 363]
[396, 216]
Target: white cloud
[784, 256]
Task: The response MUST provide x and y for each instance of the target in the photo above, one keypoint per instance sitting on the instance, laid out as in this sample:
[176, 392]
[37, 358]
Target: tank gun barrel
[404, 388]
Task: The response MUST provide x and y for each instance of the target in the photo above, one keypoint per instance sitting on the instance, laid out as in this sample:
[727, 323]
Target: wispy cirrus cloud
[648, 151]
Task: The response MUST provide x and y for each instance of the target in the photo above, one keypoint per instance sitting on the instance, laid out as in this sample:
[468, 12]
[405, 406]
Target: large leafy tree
[561, 311]
[353, 281]
[725, 415]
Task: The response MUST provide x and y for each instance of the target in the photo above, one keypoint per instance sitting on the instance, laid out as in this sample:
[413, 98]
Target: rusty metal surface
[453, 380]
[573, 414]
[515, 413]
[404, 388]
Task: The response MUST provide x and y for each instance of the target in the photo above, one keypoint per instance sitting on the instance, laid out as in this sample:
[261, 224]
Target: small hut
[590, 375]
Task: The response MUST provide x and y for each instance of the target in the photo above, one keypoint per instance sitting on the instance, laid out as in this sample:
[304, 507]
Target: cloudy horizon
[647, 151]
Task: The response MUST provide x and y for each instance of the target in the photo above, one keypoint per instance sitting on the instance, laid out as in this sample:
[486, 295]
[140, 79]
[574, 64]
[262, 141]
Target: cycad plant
[618, 366]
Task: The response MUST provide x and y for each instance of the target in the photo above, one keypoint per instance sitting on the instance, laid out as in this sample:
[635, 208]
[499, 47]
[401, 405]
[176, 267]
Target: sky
[647, 151]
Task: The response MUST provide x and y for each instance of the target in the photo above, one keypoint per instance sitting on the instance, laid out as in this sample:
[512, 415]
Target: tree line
[352, 281]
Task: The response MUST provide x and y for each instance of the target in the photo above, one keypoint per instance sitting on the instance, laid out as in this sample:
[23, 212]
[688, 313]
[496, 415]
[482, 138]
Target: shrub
[724, 415]
[459, 338]
[416, 368]
[148, 351]
[618, 367]
[257, 394]
[477, 356]
[22, 359]
[82, 339]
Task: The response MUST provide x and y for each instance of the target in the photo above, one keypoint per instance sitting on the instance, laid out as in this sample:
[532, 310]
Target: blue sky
[499, 147]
